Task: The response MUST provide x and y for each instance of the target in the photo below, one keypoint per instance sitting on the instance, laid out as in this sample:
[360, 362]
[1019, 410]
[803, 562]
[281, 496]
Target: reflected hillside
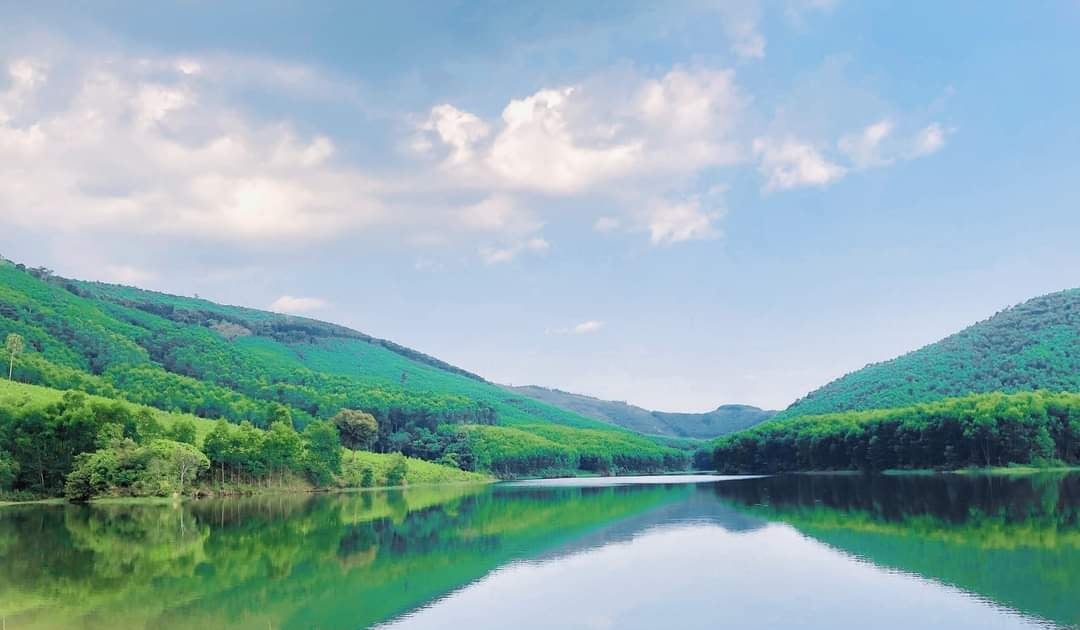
[1012, 540]
[286, 562]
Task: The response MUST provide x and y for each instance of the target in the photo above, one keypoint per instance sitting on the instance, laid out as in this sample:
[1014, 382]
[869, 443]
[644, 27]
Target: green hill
[188, 355]
[721, 421]
[1035, 345]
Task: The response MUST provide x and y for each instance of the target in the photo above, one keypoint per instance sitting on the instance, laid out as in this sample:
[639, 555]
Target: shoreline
[184, 498]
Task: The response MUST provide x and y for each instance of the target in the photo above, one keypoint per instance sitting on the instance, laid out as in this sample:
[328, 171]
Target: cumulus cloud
[789, 163]
[584, 328]
[143, 147]
[297, 305]
[588, 137]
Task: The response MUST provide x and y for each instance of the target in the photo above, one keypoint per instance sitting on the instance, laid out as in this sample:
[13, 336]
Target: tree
[358, 429]
[322, 452]
[181, 461]
[216, 445]
[9, 471]
[282, 446]
[183, 431]
[399, 469]
[14, 345]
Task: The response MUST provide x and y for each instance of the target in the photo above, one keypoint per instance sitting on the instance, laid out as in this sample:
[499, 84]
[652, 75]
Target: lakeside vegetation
[83, 447]
[995, 429]
[191, 356]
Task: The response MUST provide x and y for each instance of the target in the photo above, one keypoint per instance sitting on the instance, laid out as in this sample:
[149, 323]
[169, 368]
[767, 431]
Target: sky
[676, 204]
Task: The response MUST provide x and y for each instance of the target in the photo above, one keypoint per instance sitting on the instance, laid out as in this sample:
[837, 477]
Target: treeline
[83, 448]
[978, 430]
[554, 449]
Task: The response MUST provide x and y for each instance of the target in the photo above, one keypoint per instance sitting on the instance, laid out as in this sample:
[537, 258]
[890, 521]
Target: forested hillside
[1035, 345]
[721, 421]
[983, 430]
[188, 355]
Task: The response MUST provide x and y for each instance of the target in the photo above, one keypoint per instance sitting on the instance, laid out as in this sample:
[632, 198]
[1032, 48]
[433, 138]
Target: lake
[803, 551]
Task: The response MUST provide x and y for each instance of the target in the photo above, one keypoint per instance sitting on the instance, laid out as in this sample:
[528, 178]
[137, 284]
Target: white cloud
[865, 148]
[297, 305]
[930, 139]
[592, 136]
[459, 130]
[789, 163]
[622, 138]
[584, 328]
[674, 222]
[144, 147]
[876, 145]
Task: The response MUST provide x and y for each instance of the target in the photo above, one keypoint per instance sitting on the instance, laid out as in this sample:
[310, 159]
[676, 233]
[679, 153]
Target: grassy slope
[81, 333]
[420, 472]
[1035, 345]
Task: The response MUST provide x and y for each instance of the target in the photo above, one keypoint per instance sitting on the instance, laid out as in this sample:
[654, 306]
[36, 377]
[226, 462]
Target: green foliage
[398, 471]
[358, 429]
[120, 451]
[124, 468]
[9, 471]
[1028, 347]
[528, 449]
[322, 452]
[978, 430]
[183, 431]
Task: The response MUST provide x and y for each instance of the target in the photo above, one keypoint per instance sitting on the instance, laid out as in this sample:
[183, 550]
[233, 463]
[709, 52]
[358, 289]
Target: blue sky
[679, 205]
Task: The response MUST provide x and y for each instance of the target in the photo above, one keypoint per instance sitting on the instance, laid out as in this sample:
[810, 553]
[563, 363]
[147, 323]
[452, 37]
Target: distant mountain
[721, 421]
[1035, 345]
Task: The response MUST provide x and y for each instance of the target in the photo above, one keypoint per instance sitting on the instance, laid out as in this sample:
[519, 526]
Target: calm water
[779, 552]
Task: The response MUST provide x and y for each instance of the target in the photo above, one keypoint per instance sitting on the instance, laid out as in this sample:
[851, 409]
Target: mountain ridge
[724, 419]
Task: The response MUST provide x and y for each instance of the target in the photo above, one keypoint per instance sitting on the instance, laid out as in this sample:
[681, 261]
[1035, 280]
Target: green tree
[283, 447]
[322, 452]
[183, 431]
[358, 429]
[179, 461]
[399, 469]
[9, 471]
[14, 345]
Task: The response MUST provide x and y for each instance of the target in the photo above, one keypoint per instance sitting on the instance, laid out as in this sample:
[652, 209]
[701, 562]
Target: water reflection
[741, 550]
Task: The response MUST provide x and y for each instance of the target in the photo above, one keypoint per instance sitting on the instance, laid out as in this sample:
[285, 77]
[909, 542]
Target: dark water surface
[951, 551]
